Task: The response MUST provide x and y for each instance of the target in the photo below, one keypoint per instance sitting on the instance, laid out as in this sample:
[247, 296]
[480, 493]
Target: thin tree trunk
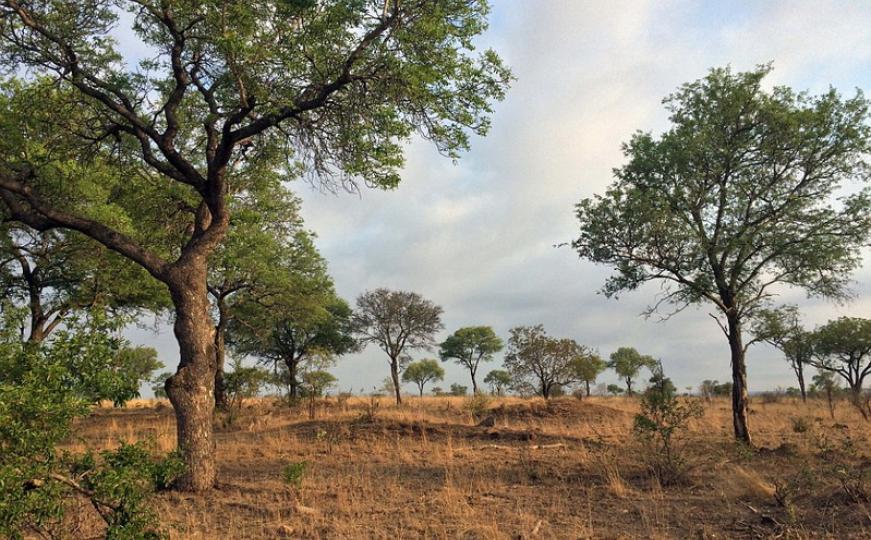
[474, 384]
[191, 389]
[220, 355]
[394, 373]
[740, 398]
[587, 385]
[799, 371]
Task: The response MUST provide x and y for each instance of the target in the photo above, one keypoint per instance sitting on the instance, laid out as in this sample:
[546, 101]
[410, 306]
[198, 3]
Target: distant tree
[422, 372]
[438, 391]
[587, 369]
[397, 322]
[826, 383]
[782, 329]
[627, 362]
[158, 384]
[138, 363]
[843, 346]
[540, 362]
[660, 384]
[244, 382]
[305, 331]
[314, 385]
[469, 347]
[499, 380]
[734, 200]
[614, 389]
[459, 389]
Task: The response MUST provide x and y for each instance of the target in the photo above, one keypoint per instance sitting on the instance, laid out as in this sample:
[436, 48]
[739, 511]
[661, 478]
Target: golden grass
[569, 469]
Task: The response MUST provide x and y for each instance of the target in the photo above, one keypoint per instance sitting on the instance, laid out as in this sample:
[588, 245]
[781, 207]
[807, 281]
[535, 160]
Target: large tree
[398, 322]
[741, 195]
[334, 89]
[469, 347]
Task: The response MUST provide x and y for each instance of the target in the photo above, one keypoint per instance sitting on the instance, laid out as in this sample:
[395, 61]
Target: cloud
[478, 237]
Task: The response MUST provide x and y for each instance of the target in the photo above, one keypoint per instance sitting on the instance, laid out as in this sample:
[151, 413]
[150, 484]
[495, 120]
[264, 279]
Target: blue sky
[478, 236]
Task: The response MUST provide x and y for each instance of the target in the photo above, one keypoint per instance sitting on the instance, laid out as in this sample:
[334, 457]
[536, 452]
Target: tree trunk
[191, 389]
[740, 399]
[220, 355]
[394, 373]
[587, 385]
[474, 384]
[799, 371]
[292, 382]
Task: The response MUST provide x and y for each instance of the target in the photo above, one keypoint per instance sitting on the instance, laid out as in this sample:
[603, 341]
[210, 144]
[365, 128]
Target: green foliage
[782, 329]
[470, 346]
[614, 389]
[843, 346]
[158, 384]
[539, 363]
[43, 389]
[499, 380]
[478, 406]
[293, 473]
[659, 426]
[422, 372]
[315, 383]
[709, 389]
[587, 368]
[244, 382]
[459, 389]
[627, 362]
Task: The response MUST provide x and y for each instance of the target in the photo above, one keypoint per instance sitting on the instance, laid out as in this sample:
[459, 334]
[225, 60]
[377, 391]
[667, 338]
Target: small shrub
[800, 424]
[477, 406]
[663, 419]
[293, 473]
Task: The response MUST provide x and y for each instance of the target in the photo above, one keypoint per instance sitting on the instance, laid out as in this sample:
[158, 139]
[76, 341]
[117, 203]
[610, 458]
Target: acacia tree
[587, 369]
[782, 329]
[264, 263]
[499, 380]
[627, 363]
[397, 322]
[843, 346]
[57, 274]
[469, 347]
[296, 331]
[735, 199]
[423, 372]
[333, 88]
[539, 362]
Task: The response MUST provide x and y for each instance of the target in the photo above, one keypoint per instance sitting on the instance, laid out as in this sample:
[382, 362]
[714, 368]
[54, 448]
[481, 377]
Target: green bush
[293, 473]
[43, 388]
[659, 427]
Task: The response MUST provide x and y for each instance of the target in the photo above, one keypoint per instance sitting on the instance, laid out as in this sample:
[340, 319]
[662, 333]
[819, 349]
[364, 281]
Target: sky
[478, 236]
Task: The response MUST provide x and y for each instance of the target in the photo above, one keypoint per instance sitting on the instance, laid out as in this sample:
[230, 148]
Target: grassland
[566, 469]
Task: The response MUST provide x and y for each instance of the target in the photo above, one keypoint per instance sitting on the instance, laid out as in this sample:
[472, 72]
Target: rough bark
[220, 356]
[292, 362]
[394, 374]
[740, 398]
[191, 389]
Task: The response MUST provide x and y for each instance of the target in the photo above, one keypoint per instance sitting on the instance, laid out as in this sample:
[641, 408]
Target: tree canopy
[397, 322]
[743, 193]
[540, 363]
[423, 372]
[628, 362]
[469, 347]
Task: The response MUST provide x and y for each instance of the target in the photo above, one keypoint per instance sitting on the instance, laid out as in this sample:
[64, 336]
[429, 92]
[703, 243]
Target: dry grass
[568, 469]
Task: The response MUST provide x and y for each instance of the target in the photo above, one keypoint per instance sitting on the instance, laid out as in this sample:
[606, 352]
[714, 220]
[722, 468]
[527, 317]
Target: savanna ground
[566, 469]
